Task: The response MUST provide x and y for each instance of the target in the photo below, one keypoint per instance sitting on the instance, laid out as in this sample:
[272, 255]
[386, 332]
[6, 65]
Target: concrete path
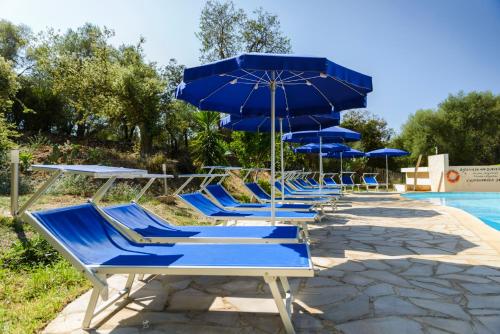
[384, 265]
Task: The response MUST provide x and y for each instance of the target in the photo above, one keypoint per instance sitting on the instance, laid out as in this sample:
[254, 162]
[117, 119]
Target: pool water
[485, 206]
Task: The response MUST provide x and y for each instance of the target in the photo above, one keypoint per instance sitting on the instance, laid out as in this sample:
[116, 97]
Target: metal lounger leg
[285, 312]
[91, 311]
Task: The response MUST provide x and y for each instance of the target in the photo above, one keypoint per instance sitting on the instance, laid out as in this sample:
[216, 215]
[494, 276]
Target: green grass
[35, 282]
[32, 297]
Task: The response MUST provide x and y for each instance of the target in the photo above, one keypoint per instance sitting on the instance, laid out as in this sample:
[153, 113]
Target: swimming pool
[485, 206]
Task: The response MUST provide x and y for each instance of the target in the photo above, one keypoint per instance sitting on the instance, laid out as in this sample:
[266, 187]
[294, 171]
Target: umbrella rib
[293, 76]
[250, 94]
[255, 76]
[298, 80]
[286, 99]
[343, 83]
[324, 96]
[215, 91]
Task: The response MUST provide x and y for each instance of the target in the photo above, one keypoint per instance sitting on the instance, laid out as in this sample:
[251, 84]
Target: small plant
[122, 191]
[37, 141]
[25, 160]
[77, 185]
[31, 253]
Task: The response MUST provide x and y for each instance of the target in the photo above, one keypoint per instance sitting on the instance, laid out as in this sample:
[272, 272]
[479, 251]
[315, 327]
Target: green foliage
[226, 31]
[30, 253]
[9, 85]
[77, 185]
[25, 160]
[13, 39]
[208, 148]
[252, 149]
[375, 134]
[465, 125]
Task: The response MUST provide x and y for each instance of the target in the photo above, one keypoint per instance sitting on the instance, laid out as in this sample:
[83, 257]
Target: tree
[219, 32]
[208, 147]
[9, 85]
[13, 41]
[226, 31]
[467, 126]
[374, 132]
[263, 34]
[140, 88]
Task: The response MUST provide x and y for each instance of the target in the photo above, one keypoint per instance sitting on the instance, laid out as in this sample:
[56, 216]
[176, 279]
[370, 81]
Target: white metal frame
[368, 185]
[98, 276]
[354, 184]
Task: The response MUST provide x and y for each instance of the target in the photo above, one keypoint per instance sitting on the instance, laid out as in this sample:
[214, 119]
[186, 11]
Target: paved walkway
[384, 265]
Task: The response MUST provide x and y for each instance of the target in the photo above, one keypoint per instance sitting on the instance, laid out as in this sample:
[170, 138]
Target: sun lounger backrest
[200, 202]
[303, 183]
[370, 179]
[312, 181]
[329, 181]
[258, 191]
[135, 217]
[346, 179]
[84, 232]
[221, 195]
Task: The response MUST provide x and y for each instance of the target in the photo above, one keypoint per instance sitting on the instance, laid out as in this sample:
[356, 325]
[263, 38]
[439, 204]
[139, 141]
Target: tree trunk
[146, 140]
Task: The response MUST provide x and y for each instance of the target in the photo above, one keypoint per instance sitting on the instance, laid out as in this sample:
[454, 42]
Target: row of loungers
[128, 239]
[369, 180]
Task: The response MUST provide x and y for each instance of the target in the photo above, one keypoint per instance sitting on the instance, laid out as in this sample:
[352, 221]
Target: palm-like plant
[208, 148]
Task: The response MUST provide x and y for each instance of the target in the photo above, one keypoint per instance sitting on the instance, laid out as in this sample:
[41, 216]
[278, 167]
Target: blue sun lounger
[348, 181]
[264, 197]
[143, 226]
[370, 180]
[212, 211]
[98, 250]
[220, 195]
[308, 193]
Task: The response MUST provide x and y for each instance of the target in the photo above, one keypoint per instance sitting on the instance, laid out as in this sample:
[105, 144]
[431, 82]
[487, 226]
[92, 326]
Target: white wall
[467, 178]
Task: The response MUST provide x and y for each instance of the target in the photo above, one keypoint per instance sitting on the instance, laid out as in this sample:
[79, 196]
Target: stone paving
[384, 265]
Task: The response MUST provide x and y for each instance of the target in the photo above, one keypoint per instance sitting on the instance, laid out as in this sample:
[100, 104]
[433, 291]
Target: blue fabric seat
[226, 200]
[262, 196]
[91, 239]
[98, 250]
[308, 193]
[148, 225]
[202, 204]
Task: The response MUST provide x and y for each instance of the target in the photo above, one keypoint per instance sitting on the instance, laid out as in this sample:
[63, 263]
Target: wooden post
[415, 176]
[164, 168]
[14, 182]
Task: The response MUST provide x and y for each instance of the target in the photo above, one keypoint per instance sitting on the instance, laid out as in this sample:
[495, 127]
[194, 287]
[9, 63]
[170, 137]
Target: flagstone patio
[384, 265]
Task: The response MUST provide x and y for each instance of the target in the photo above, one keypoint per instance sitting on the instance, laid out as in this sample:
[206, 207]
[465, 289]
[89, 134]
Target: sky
[417, 52]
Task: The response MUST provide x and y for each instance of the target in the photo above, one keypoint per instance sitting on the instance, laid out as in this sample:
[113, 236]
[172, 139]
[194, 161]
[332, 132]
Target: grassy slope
[31, 296]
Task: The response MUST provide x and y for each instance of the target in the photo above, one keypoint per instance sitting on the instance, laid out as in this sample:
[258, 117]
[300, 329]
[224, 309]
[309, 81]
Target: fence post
[164, 168]
[14, 182]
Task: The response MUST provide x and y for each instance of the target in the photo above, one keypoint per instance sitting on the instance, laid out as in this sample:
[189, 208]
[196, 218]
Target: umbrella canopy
[263, 123]
[315, 148]
[386, 153]
[274, 85]
[304, 85]
[333, 134]
[351, 153]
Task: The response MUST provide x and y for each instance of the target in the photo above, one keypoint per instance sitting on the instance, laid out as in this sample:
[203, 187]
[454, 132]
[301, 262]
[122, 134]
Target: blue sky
[416, 51]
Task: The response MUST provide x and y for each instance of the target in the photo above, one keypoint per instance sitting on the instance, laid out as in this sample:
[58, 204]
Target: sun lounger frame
[98, 274]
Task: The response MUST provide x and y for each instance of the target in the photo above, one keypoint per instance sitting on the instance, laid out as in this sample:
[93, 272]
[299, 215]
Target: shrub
[77, 185]
[30, 253]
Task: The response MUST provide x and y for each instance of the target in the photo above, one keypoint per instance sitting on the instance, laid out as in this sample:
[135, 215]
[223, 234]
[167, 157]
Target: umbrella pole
[282, 161]
[386, 173]
[320, 163]
[273, 147]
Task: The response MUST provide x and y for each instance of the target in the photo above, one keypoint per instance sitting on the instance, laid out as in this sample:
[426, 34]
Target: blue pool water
[485, 206]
